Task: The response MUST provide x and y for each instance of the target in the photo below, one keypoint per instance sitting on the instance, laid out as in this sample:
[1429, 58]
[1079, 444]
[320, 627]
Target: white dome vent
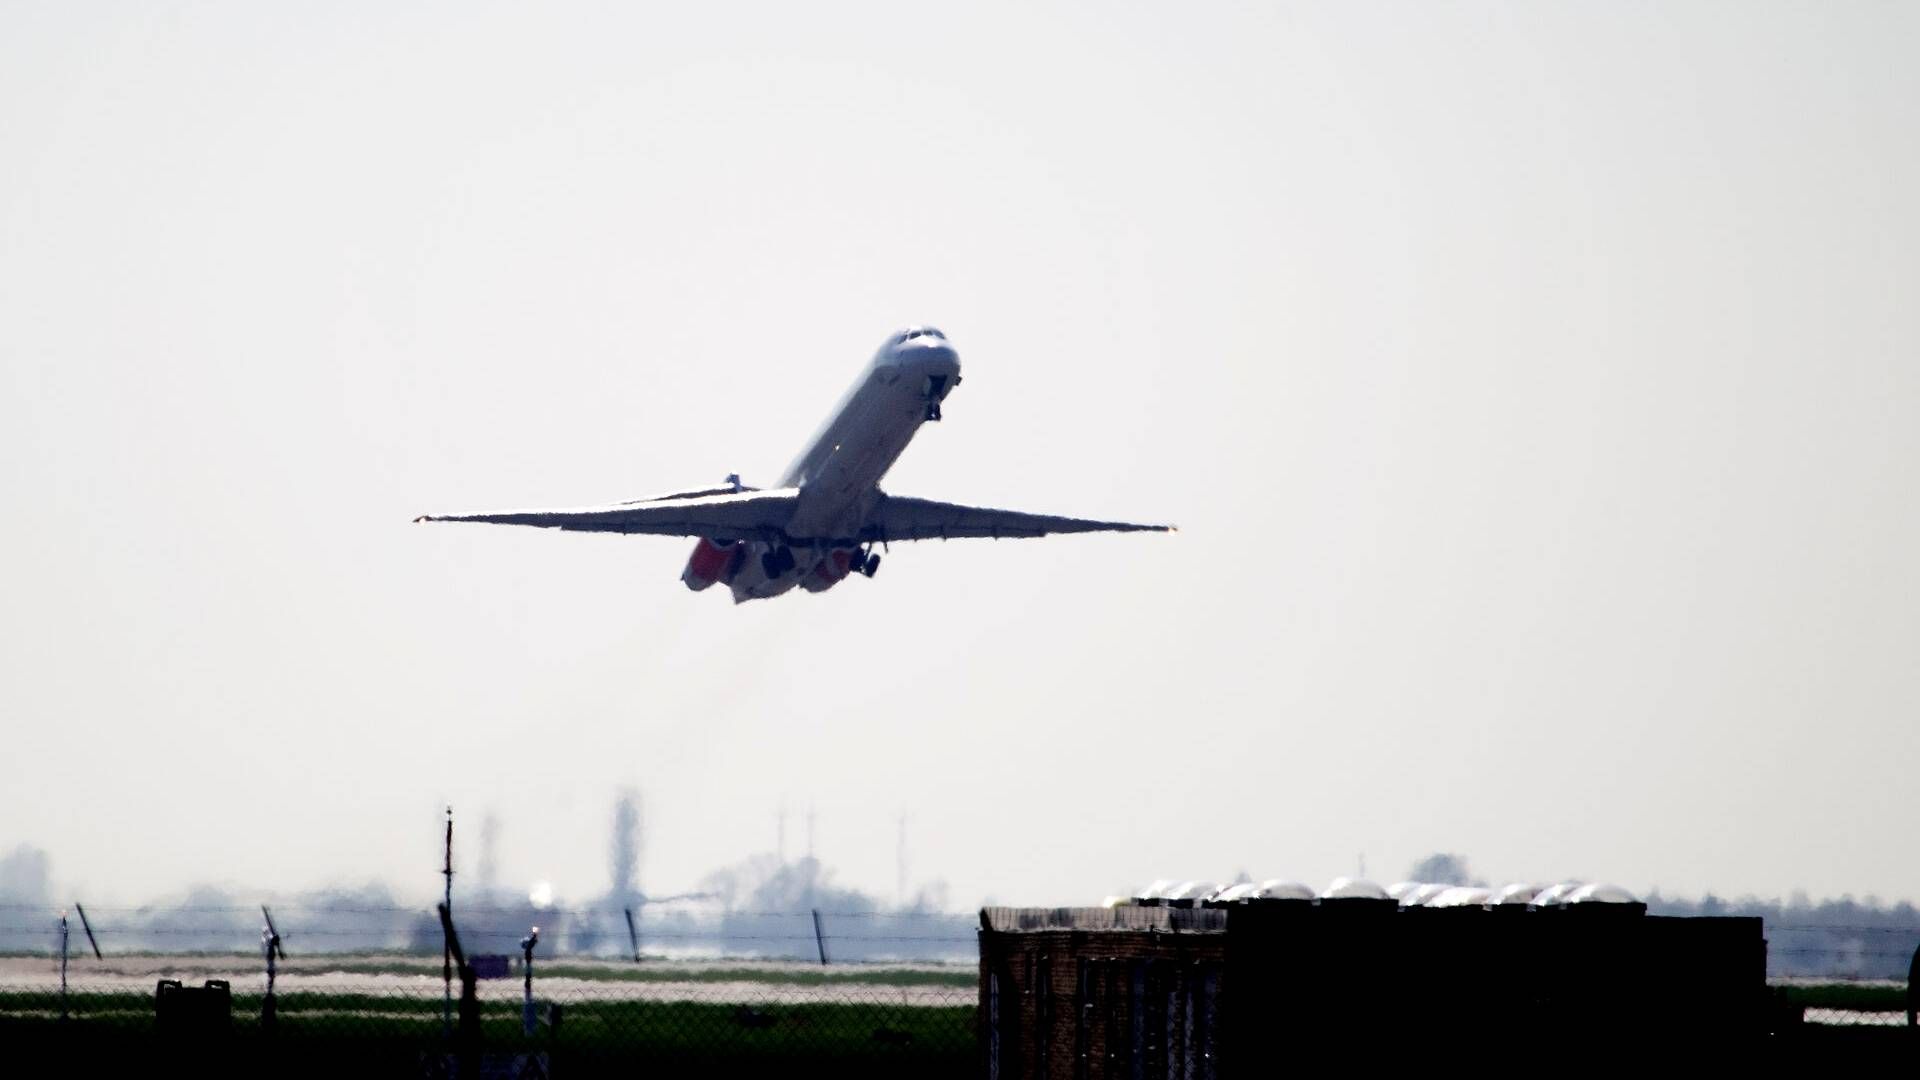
[1346, 888]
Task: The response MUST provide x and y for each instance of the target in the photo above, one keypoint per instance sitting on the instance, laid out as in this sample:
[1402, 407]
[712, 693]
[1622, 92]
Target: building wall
[1167, 992]
[1132, 995]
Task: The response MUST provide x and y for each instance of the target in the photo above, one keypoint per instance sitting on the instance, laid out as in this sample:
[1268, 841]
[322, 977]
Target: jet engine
[832, 568]
[712, 561]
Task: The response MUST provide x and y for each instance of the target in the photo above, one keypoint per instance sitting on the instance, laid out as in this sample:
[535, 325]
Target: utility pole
[446, 948]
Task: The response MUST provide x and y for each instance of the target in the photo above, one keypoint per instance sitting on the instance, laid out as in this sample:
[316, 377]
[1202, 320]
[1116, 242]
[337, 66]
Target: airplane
[821, 524]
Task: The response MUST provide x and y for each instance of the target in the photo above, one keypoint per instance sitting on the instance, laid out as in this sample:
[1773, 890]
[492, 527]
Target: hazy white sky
[1535, 386]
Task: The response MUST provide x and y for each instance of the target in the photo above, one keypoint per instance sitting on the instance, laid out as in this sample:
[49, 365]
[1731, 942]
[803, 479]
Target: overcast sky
[1535, 387]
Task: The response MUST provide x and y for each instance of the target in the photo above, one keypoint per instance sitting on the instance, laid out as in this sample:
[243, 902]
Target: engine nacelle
[832, 568]
[711, 561]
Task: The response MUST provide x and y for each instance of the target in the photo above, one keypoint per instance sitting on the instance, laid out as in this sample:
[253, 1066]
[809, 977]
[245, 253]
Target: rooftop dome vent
[1192, 892]
[1599, 893]
[1423, 895]
[1282, 889]
[1346, 888]
[1555, 895]
[1517, 893]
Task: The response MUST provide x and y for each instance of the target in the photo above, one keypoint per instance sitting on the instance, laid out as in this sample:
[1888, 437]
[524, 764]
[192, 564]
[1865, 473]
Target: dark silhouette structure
[1232, 990]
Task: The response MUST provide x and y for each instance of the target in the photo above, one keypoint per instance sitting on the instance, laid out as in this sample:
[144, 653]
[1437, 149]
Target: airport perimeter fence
[368, 1028]
[366, 992]
[1844, 976]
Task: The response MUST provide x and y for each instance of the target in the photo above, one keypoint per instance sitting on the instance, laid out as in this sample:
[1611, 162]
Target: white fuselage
[838, 474]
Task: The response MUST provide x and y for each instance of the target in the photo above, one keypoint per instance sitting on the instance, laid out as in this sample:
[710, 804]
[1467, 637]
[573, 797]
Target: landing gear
[777, 562]
[936, 389]
[862, 561]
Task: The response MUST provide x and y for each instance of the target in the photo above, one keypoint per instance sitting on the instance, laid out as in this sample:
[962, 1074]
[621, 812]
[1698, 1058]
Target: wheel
[769, 565]
[872, 567]
[787, 562]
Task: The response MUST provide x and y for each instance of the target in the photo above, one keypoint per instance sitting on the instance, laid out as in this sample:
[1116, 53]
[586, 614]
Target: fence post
[529, 1023]
[270, 941]
[81, 910]
[446, 951]
[819, 939]
[63, 965]
[467, 1042]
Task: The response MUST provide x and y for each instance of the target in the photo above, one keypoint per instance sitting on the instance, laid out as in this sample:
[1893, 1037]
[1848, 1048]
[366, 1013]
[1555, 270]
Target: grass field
[1854, 996]
[375, 1034]
[718, 1018]
[374, 1014]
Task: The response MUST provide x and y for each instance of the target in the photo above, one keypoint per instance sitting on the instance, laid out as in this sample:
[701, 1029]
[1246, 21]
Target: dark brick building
[1162, 991]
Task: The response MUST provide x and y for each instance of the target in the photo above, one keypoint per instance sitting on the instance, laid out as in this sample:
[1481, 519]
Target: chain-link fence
[878, 1021]
[370, 991]
[1835, 975]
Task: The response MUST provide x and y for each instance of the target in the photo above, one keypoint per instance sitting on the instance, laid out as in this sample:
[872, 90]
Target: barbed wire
[1778, 928]
[211, 932]
[427, 910]
[640, 906]
[1875, 954]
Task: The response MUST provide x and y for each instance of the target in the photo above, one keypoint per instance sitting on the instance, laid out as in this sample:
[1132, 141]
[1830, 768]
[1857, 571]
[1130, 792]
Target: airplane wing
[900, 518]
[726, 516]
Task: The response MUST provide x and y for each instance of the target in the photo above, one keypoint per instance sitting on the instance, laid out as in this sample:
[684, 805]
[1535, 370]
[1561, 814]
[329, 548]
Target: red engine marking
[834, 567]
[709, 559]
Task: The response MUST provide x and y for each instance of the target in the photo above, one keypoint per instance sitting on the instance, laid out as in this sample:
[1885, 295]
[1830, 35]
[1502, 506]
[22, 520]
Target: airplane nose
[929, 355]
